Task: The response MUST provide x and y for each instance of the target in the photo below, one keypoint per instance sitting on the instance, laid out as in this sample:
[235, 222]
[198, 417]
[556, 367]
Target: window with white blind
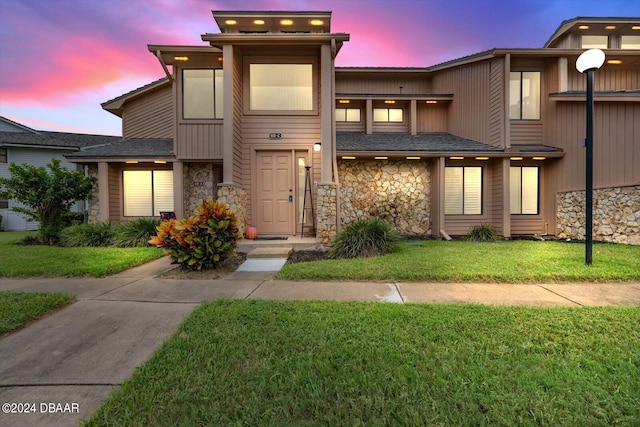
[351, 115]
[524, 190]
[388, 115]
[463, 190]
[146, 192]
[281, 87]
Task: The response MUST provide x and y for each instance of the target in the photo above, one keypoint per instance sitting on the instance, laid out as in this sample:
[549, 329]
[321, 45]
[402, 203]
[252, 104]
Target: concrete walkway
[79, 355]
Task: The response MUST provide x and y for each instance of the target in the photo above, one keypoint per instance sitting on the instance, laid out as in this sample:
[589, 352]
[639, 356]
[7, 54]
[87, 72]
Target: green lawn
[53, 261]
[19, 308]
[503, 261]
[327, 363]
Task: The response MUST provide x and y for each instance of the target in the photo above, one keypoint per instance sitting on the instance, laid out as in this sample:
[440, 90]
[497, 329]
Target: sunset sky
[60, 59]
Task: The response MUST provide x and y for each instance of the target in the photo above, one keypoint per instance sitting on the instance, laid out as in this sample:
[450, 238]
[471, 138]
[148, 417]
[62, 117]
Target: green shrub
[0, 222]
[136, 233]
[203, 241]
[92, 234]
[365, 238]
[482, 233]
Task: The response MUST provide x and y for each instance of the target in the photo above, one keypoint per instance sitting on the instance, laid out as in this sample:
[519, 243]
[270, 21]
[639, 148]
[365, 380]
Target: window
[630, 42]
[202, 94]
[146, 192]
[389, 115]
[463, 190]
[281, 87]
[4, 204]
[524, 95]
[348, 115]
[3, 155]
[524, 190]
[595, 42]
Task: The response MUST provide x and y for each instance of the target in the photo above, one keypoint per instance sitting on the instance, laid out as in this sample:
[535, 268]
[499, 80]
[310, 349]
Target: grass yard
[19, 308]
[53, 261]
[503, 261]
[327, 363]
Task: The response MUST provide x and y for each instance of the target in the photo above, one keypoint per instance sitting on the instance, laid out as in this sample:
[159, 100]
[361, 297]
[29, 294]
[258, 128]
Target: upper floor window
[630, 42]
[595, 42]
[3, 155]
[202, 91]
[389, 115]
[524, 95]
[524, 189]
[463, 190]
[281, 87]
[348, 115]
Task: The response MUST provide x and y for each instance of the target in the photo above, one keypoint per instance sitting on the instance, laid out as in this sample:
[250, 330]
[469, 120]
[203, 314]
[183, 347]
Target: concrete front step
[270, 252]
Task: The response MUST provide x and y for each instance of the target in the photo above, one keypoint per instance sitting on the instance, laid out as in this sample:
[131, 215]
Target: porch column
[178, 189]
[506, 197]
[326, 113]
[414, 117]
[369, 117]
[227, 127]
[103, 191]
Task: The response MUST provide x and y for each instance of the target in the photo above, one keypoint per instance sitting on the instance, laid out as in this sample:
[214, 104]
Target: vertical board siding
[496, 191]
[202, 141]
[237, 122]
[432, 118]
[608, 78]
[151, 116]
[115, 193]
[616, 144]
[469, 111]
[381, 83]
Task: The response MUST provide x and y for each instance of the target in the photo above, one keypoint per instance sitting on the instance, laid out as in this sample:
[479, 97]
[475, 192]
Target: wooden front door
[275, 208]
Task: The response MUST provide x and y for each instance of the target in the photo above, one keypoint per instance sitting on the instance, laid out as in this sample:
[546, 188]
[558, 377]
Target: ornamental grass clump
[200, 242]
[481, 233]
[94, 234]
[365, 238]
[136, 233]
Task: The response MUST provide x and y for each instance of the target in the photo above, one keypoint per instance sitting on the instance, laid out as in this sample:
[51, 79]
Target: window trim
[388, 109]
[538, 199]
[298, 60]
[346, 114]
[521, 73]
[482, 191]
[182, 97]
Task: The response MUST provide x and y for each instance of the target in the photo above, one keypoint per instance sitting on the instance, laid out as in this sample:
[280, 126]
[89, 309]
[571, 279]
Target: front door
[275, 208]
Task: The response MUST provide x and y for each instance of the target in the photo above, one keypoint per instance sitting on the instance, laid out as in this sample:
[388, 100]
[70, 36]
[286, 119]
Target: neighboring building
[21, 144]
[492, 138]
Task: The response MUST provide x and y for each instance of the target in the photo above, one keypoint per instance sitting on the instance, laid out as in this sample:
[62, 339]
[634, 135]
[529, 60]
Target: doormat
[271, 238]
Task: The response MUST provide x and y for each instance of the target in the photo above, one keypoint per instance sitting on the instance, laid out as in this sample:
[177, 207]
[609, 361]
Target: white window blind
[453, 194]
[472, 191]
[524, 190]
[162, 191]
[463, 190]
[138, 199]
[281, 87]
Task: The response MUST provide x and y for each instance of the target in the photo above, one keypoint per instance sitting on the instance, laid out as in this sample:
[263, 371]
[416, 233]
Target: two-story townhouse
[492, 138]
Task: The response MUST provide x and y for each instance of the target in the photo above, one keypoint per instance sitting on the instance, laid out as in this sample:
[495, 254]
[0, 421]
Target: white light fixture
[160, 162]
[348, 157]
[591, 59]
[317, 146]
[381, 158]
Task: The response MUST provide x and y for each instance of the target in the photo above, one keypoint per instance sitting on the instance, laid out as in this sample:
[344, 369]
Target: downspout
[164, 66]
[444, 234]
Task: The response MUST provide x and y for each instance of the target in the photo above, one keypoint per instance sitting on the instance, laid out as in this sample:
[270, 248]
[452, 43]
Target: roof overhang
[270, 21]
[170, 54]
[219, 40]
[115, 105]
[595, 24]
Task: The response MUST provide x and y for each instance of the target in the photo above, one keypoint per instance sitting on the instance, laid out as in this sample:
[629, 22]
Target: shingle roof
[54, 139]
[134, 148]
[436, 142]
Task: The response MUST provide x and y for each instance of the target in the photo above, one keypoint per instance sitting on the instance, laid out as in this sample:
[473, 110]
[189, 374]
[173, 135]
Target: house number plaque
[275, 135]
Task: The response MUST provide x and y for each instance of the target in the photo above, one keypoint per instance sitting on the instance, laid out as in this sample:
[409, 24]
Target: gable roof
[7, 125]
[114, 105]
[59, 140]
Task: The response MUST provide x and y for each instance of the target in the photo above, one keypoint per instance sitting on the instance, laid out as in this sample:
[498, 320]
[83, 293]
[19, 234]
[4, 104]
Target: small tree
[48, 196]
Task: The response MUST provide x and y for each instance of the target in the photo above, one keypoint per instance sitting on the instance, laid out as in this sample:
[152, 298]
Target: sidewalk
[80, 354]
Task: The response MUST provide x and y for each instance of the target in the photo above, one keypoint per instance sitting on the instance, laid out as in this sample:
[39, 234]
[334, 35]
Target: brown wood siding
[151, 116]
[496, 192]
[381, 83]
[201, 141]
[237, 122]
[527, 132]
[469, 111]
[616, 144]
[115, 193]
[608, 78]
[432, 117]
[496, 104]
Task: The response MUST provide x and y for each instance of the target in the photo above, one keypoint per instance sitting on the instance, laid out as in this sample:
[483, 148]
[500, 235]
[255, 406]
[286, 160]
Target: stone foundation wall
[396, 190]
[93, 207]
[200, 182]
[616, 215]
[236, 198]
[326, 213]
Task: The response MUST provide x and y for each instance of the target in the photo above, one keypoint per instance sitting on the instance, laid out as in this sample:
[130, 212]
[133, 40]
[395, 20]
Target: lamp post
[588, 63]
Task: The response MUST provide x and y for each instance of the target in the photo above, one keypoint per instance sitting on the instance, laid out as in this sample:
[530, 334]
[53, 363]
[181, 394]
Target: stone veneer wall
[93, 207]
[326, 213]
[396, 190]
[236, 198]
[200, 182]
[616, 215]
